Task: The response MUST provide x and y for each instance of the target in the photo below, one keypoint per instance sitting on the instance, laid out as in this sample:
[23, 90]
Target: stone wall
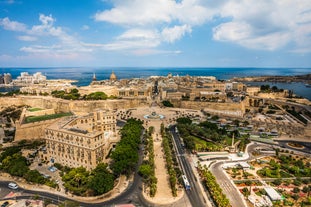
[202, 105]
[32, 130]
[60, 105]
[40, 112]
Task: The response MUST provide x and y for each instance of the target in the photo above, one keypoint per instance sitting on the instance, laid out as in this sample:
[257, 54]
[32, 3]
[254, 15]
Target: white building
[273, 194]
[26, 78]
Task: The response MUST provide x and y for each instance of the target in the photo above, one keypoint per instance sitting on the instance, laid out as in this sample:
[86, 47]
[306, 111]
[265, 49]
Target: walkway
[164, 194]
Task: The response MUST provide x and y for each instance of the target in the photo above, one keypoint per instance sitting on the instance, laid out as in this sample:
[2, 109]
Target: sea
[84, 75]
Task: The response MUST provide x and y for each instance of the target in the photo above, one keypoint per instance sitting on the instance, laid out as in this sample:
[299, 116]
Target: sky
[155, 33]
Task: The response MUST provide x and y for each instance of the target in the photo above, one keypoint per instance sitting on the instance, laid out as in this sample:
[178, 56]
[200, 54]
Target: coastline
[282, 79]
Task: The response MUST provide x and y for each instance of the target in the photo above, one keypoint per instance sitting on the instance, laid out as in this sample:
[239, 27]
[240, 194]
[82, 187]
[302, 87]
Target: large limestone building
[81, 141]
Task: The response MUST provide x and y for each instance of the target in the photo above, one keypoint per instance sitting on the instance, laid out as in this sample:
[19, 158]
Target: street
[195, 194]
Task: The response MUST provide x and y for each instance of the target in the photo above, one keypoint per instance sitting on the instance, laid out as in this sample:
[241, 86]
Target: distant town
[155, 141]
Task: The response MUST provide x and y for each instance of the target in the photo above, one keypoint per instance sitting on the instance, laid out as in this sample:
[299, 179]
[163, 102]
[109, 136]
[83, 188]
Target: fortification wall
[32, 130]
[60, 105]
[201, 105]
[40, 112]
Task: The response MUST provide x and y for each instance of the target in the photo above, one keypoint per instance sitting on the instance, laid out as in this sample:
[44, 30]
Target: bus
[186, 182]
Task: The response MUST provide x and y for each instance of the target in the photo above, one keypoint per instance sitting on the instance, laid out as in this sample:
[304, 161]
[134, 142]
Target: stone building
[6, 78]
[81, 141]
[26, 78]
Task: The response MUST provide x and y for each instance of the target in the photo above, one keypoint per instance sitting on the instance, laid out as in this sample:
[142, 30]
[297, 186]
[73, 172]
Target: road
[227, 186]
[132, 195]
[195, 194]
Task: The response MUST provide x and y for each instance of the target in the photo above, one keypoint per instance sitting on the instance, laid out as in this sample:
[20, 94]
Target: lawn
[201, 144]
[34, 109]
[31, 119]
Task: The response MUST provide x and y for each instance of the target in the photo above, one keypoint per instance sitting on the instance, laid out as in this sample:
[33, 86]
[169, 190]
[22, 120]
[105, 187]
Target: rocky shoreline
[284, 79]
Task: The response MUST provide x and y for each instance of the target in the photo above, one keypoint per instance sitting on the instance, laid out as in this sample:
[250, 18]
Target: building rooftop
[273, 194]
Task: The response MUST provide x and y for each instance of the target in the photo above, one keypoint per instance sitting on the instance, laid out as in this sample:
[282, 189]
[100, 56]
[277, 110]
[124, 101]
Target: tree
[274, 88]
[76, 180]
[306, 189]
[184, 120]
[69, 204]
[167, 103]
[264, 87]
[245, 191]
[296, 190]
[97, 96]
[277, 182]
[101, 180]
[34, 176]
[125, 155]
[145, 171]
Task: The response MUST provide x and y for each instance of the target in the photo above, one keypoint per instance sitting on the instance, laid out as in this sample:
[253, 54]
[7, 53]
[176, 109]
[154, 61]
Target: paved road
[229, 189]
[227, 186]
[195, 194]
[132, 195]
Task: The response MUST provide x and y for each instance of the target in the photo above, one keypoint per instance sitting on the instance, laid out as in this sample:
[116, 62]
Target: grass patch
[228, 141]
[201, 144]
[34, 109]
[31, 119]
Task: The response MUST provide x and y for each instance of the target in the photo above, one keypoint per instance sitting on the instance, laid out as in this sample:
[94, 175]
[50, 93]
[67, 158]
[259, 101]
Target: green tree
[277, 182]
[167, 103]
[296, 190]
[34, 176]
[101, 180]
[76, 180]
[184, 120]
[145, 171]
[69, 204]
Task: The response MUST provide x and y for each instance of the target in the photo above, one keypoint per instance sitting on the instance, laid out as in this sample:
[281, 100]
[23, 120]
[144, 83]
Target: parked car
[5, 204]
[13, 186]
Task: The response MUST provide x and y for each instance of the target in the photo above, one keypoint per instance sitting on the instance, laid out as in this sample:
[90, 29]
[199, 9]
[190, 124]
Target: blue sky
[157, 33]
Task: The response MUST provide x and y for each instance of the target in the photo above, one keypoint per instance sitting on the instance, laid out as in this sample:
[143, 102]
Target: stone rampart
[33, 130]
[60, 105]
[211, 105]
[40, 112]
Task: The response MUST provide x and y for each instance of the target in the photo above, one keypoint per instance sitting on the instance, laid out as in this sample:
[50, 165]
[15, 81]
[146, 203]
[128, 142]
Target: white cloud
[47, 33]
[146, 12]
[264, 25]
[7, 24]
[175, 33]
[137, 12]
[232, 31]
[85, 27]
[144, 52]
[27, 38]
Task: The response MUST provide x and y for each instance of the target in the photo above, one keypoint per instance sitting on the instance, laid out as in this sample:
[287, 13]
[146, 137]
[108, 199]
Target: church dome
[113, 76]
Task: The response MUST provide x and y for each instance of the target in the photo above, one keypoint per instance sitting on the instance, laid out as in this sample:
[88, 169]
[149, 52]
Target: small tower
[94, 77]
[113, 77]
[232, 147]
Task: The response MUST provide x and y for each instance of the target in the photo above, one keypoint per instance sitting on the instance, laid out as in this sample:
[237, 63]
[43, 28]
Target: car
[13, 186]
[5, 204]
